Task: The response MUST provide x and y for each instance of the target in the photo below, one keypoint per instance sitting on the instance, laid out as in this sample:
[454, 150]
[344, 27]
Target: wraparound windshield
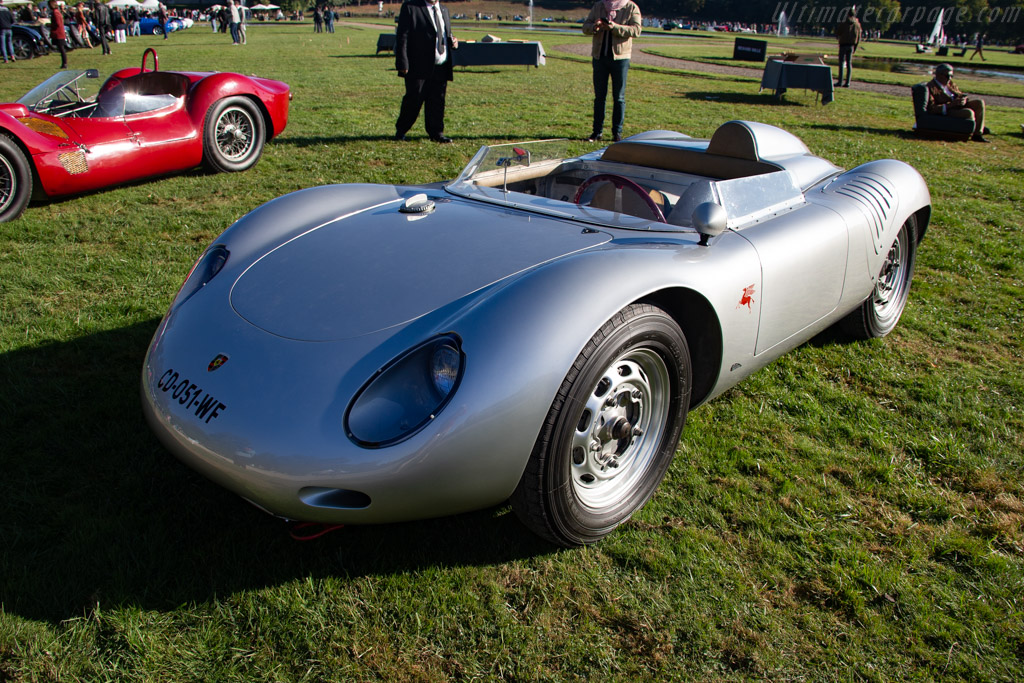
[493, 164]
[653, 181]
[62, 89]
[550, 177]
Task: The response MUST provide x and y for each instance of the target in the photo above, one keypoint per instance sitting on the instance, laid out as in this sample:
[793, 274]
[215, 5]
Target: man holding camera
[613, 24]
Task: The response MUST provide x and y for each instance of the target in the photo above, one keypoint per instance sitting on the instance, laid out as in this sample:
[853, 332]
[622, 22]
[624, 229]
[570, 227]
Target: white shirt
[435, 15]
[949, 94]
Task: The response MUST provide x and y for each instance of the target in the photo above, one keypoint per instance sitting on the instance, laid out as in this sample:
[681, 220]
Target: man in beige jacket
[613, 24]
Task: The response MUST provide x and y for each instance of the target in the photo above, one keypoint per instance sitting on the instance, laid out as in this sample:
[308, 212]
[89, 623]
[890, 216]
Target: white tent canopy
[124, 3]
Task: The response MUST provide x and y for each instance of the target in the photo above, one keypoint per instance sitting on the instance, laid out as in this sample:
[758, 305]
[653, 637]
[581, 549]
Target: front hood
[378, 268]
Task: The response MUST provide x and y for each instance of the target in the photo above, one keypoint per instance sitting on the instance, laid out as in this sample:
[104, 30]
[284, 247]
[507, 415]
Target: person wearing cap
[945, 99]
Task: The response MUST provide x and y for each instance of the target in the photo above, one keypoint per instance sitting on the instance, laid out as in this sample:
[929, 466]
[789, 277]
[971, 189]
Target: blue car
[151, 26]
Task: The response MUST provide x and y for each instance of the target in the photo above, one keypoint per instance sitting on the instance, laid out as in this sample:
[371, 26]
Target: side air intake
[876, 197]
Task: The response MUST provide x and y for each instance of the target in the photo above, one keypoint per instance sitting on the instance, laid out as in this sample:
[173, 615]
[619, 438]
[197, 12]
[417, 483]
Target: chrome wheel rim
[236, 134]
[7, 183]
[891, 286]
[619, 431]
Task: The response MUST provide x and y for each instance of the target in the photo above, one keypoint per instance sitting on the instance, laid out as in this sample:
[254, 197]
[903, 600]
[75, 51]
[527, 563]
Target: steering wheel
[621, 182]
[156, 60]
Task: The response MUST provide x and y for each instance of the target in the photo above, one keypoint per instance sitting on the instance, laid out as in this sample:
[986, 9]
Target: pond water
[926, 69]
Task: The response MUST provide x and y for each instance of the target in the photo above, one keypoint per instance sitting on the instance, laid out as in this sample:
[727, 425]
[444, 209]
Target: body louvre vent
[876, 196]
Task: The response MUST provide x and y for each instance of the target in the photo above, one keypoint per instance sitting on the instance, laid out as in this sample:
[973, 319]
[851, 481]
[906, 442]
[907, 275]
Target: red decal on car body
[748, 298]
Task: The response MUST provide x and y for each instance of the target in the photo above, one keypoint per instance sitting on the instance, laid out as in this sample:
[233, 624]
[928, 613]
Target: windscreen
[63, 87]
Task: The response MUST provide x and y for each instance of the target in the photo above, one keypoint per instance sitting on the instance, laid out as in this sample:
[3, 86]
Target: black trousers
[426, 93]
[63, 53]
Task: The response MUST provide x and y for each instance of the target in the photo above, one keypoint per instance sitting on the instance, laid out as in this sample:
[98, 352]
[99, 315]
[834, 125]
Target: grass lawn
[717, 48]
[851, 512]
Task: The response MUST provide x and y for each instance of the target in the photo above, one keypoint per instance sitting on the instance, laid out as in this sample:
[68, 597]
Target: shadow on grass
[197, 172]
[854, 128]
[414, 139]
[97, 513]
[764, 98]
[367, 55]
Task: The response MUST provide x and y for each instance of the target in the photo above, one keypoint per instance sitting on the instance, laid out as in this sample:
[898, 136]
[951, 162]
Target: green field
[874, 60]
[851, 512]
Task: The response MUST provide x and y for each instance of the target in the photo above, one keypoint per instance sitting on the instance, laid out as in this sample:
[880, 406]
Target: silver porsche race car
[536, 329]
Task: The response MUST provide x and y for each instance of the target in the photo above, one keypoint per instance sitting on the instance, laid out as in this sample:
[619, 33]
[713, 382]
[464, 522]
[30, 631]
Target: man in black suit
[101, 17]
[423, 57]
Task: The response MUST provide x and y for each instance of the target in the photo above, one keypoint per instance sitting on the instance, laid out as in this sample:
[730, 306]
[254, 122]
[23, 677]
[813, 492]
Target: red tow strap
[310, 531]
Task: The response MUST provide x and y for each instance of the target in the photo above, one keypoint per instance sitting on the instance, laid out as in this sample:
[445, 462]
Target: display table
[505, 53]
[780, 76]
[471, 53]
[386, 42]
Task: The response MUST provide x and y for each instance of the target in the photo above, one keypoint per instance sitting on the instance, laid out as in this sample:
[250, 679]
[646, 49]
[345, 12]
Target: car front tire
[15, 180]
[878, 314]
[233, 135]
[23, 48]
[611, 432]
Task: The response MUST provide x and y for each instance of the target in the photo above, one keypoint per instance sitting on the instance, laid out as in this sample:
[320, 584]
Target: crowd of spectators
[82, 24]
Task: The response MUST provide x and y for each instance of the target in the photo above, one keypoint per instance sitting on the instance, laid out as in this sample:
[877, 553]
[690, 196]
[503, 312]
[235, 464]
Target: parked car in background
[28, 42]
[150, 26]
[70, 134]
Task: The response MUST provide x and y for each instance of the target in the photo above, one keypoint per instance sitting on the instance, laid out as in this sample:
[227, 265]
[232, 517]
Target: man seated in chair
[945, 99]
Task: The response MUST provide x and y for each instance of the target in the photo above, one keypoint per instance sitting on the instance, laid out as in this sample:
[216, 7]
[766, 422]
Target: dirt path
[642, 57]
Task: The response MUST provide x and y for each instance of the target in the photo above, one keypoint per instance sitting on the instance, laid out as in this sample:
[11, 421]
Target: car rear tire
[611, 431]
[878, 314]
[233, 135]
[15, 180]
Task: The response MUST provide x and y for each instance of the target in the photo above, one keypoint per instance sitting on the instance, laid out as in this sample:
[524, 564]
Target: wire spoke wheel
[7, 183]
[15, 180]
[235, 134]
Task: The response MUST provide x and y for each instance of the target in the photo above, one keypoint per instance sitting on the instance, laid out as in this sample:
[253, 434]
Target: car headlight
[208, 265]
[406, 394]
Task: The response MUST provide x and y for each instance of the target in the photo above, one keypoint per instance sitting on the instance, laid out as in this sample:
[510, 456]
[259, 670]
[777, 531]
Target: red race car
[68, 137]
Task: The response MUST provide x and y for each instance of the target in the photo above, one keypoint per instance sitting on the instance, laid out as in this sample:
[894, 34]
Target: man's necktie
[440, 29]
